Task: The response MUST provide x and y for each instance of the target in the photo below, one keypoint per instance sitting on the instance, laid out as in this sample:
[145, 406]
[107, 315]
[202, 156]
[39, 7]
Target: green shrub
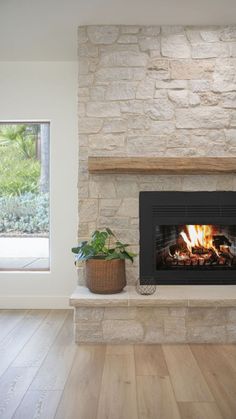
[28, 213]
[17, 175]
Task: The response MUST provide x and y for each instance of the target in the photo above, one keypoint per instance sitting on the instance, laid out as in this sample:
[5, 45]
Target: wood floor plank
[188, 381]
[8, 320]
[38, 404]
[13, 385]
[203, 410]
[37, 347]
[55, 369]
[81, 394]
[220, 377]
[150, 360]
[156, 399]
[118, 399]
[19, 336]
[120, 349]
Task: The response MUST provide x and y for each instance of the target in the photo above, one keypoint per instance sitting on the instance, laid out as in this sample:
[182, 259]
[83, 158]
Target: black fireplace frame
[181, 208]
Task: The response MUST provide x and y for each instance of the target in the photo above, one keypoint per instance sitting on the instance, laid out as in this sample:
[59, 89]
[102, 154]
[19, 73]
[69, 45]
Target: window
[24, 195]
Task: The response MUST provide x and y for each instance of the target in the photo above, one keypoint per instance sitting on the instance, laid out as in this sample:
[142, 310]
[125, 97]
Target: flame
[198, 236]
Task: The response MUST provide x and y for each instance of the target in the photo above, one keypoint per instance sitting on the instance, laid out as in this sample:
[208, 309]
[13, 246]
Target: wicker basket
[105, 276]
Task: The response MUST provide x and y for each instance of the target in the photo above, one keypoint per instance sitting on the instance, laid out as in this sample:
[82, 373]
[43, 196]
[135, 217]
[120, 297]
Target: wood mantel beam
[162, 165]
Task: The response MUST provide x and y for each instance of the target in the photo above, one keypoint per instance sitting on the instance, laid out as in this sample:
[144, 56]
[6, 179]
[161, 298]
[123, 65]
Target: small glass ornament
[145, 289]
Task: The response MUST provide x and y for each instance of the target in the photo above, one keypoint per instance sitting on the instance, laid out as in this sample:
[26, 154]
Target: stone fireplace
[151, 91]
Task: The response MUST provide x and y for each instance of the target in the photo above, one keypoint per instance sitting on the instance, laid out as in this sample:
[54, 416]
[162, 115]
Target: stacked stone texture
[151, 91]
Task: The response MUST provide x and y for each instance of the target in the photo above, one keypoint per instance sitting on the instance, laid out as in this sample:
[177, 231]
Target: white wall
[46, 91]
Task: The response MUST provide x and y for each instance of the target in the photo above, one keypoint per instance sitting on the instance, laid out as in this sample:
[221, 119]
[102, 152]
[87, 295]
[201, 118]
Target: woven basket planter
[105, 276]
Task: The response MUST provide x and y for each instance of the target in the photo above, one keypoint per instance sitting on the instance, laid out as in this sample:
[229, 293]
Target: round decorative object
[145, 289]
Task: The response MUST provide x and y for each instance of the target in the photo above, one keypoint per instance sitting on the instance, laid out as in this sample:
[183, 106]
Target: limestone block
[210, 50]
[174, 329]
[103, 34]
[106, 142]
[131, 107]
[102, 188]
[230, 135]
[81, 109]
[83, 65]
[102, 109]
[89, 125]
[232, 315]
[88, 209]
[152, 314]
[179, 98]
[97, 93]
[82, 35]
[128, 206]
[179, 140]
[232, 118]
[225, 183]
[228, 33]
[120, 331]
[113, 222]
[121, 91]
[224, 79]
[229, 100]
[85, 80]
[127, 188]
[147, 43]
[159, 109]
[154, 334]
[129, 29]
[210, 35]
[190, 70]
[86, 331]
[209, 98]
[193, 99]
[191, 183]
[88, 314]
[174, 43]
[206, 117]
[206, 316]
[88, 50]
[114, 125]
[162, 183]
[145, 89]
[231, 333]
[120, 313]
[128, 39]
[138, 122]
[210, 334]
[148, 146]
[161, 127]
[150, 30]
[123, 59]
[200, 85]
[171, 84]
[112, 74]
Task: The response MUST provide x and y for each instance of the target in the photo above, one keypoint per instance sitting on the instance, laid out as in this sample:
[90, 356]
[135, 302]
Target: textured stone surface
[151, 91]
[155, 319]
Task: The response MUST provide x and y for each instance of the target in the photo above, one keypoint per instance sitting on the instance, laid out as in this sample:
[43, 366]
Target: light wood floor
[44, 375]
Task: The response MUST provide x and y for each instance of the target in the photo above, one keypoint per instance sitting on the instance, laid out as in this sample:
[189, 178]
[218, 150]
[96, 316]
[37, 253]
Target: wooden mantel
[162, 165]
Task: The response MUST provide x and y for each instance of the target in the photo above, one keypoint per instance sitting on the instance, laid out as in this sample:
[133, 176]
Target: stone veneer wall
[151, 91]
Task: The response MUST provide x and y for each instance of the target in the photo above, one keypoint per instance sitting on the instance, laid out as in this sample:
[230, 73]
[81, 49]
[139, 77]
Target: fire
[198, 236]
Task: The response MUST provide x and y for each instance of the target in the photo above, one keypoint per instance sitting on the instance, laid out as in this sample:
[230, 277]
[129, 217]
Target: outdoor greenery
[103, 245]
[26, 213]
[17, 174]
[24, 204]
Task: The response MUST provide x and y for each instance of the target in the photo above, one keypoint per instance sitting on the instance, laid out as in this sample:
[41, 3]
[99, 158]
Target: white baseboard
[34, 302]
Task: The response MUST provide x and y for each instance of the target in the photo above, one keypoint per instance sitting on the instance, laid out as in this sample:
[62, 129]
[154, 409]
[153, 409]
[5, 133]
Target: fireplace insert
[188, 238]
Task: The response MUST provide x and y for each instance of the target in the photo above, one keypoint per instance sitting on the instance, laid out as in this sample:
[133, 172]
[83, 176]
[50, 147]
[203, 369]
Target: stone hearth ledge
[180, 314]
[165, 296]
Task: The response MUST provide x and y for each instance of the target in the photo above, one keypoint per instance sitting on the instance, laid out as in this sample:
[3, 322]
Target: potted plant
[104, 258]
